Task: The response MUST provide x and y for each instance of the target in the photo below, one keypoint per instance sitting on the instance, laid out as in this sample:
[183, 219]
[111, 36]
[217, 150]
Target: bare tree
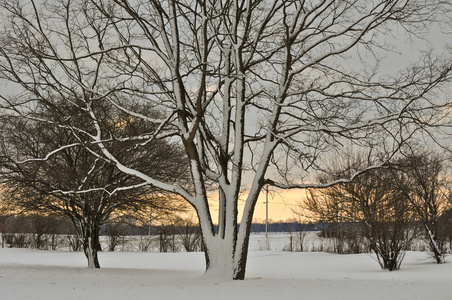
[189, 234]
[249, 88]
[427, 186]
[115, 231]
[446, 226]
[386, 216]
[374, 201]
[74, 182]
[297, 234]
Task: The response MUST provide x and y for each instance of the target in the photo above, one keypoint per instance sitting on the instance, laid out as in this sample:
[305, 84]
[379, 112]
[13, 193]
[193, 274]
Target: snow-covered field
[34, 274]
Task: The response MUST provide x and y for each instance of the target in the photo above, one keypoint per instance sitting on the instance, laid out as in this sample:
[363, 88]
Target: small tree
[44, 229]
[386, 217]
[330, 207]
[114, 232]
[189, 234]
[167, 238]
[374, 201]
[427, 187]
[445, 223]
[74, 242]
[297, 234]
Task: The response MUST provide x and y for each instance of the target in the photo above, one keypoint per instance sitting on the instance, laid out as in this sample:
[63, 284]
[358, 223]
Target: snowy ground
[34, 274]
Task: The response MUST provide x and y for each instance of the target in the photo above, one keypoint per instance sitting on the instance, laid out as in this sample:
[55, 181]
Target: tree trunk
[219, 249]
[219, 257]
[438, 253]
[91, 245]
[439, 257]
[241, 249]
[226, 255]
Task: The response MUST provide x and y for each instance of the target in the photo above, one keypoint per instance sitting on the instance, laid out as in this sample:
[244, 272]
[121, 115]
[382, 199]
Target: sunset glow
[281, 204]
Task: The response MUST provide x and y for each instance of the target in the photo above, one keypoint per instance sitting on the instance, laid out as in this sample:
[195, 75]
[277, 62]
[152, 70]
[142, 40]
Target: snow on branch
[49, 154]
[322, 185]
[110, 193]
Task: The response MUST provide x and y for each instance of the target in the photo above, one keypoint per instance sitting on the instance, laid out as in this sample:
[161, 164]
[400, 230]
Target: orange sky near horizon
[281, 204]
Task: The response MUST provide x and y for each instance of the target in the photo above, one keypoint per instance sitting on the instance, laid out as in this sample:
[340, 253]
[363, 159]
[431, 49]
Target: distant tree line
[292, 226]
[54, 232]
[37, 231]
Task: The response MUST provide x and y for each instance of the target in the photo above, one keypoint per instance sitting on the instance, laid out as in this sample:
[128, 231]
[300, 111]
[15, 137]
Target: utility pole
[266, 218]
[150, 220]
[266, 212]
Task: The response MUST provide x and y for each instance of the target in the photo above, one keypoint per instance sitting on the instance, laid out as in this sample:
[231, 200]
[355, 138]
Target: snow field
[34, 274]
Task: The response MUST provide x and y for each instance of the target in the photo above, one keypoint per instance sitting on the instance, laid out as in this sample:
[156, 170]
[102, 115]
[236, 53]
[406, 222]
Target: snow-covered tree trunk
[90, 238]
[219, 257]
[438, 253]
[88, 229]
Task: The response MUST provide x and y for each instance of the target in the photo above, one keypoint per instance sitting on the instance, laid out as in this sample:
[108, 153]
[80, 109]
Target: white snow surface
[35, 274]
